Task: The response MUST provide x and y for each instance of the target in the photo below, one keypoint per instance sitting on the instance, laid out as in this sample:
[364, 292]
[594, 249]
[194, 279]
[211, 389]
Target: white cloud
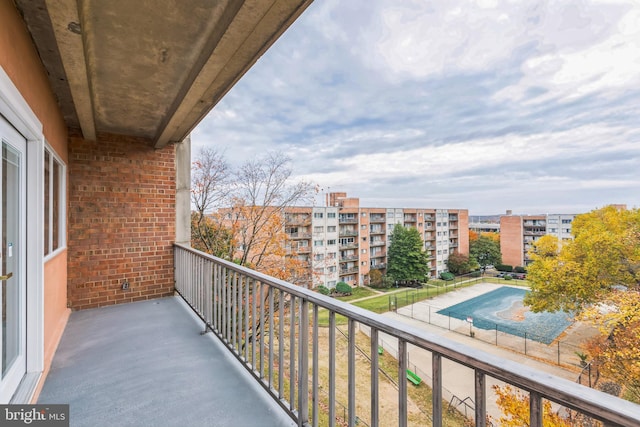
[569, 67]
[436, 103]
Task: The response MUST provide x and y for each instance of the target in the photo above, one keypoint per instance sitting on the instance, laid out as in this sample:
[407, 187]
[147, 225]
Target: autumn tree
[460, 263]
[210, 186]
[515, 407]
[407, 260]
[262, 192]
[604, 254]
[616, 352]
[485, 251]
[596, 276]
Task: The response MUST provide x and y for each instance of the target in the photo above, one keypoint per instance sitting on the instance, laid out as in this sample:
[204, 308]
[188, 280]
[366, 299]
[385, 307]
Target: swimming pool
[502, 309]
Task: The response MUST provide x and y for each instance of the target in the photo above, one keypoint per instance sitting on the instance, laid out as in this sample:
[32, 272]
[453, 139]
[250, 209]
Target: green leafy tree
[604, 255]
[596, 276]
[485, 251]
[406, 259]
[460, 263]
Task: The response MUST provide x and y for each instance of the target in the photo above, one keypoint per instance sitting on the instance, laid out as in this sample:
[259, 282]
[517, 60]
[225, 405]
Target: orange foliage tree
[616, 352]
[515, 407]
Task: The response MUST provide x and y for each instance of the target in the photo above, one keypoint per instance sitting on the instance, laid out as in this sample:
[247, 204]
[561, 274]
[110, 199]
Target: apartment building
[519, 232]
[349, 241]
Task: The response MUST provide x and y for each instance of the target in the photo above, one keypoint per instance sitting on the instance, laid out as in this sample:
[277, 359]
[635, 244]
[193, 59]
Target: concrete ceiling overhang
[150, 68]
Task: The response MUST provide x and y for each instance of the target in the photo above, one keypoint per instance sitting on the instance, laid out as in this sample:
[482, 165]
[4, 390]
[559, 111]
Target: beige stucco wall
[21, 62]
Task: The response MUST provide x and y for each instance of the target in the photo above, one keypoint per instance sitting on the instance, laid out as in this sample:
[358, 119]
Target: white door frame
[16, 144]
[17, 112]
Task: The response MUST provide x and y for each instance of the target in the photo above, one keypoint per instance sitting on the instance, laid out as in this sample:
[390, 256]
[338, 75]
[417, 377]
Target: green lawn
[399, 298]
[359, 292]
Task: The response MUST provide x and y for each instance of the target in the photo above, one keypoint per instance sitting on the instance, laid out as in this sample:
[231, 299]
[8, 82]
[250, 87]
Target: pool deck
[458, 380]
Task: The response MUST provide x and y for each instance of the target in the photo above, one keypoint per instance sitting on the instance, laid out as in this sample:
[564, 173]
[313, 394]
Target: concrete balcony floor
[146, 364]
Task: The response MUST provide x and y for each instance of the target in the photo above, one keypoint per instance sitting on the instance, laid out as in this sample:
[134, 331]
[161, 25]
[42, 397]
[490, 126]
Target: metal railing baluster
[303, 364]
[314, 357]
[480, 395]
[402, 383]
[374, 378]
[436, 388]
[332, 369]
[262, 302]
[281, 344]
[292, 353]
[271, 311]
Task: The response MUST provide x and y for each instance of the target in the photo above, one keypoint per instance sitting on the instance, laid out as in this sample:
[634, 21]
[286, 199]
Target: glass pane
[55, 205]
[11, 325]
[47, 206]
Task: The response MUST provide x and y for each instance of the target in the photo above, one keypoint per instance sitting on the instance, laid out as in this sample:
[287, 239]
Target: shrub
[507, 277]
[323, 290]
[343, 288]
[504, 267]
[447, 276]
[519, 269]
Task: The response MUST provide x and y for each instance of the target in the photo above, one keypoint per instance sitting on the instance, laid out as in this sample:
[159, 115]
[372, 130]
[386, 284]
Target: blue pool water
[502, 308]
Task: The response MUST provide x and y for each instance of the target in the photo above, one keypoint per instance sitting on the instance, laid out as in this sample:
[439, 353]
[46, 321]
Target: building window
[318, 257]
[331, 242]
[54, 183]
[318, 243]
[364, 214]
[331, 269]
[363, 227]
[331, 215]
[318, 215]
[566, 221]
[331, 229]
[331, 255]
[318, 229]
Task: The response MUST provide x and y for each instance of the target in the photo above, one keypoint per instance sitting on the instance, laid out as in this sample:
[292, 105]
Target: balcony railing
[298, 220]
[350, 270]
[347, 258]
[376, 218]
[376, 243]
[378, 266]
[347, 233]
[272, 327]
[296, 236]
[342, 220]
[348, 245]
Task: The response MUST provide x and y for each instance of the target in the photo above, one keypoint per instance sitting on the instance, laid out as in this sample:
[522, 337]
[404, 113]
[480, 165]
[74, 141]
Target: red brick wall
[121, 220]
[511, 240]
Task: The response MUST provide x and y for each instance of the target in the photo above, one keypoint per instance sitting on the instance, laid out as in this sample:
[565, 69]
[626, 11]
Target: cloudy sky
[487, 105]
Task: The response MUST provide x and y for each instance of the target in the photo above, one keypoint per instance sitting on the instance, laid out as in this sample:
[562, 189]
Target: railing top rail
[564, 392]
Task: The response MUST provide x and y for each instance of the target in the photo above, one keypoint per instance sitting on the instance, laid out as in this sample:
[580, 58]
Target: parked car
[501, 275]
[519, 276]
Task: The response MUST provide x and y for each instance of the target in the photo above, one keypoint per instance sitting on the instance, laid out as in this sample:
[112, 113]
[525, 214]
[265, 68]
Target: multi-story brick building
[519, 232]
[345, 241]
